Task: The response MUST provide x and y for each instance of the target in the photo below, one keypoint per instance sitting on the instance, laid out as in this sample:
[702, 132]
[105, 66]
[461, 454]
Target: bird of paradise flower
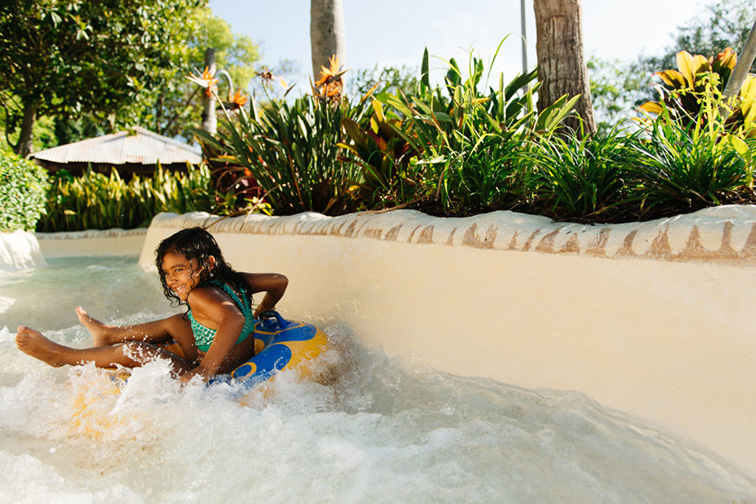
[330, 86]
[209, 82]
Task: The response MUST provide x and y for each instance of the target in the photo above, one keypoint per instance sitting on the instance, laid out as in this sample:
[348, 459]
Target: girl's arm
[213, 308]
[273, 284]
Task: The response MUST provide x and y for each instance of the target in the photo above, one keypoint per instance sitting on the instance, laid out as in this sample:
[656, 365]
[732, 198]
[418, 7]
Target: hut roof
[135, 146]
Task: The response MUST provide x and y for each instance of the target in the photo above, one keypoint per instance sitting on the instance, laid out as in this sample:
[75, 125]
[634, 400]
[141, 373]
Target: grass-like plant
[567, 177]
[681, 169]
[98, 201]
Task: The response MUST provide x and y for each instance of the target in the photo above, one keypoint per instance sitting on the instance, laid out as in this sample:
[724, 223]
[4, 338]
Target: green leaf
[425, 72]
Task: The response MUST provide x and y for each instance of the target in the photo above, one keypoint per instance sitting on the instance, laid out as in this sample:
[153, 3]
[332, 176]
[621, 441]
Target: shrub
[23, 191]
[468, 135]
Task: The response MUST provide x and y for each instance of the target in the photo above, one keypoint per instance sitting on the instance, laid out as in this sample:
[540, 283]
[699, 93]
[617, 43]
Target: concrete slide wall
[655, 319]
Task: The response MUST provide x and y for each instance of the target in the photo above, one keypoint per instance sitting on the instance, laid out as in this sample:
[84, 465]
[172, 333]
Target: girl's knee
[136, 352]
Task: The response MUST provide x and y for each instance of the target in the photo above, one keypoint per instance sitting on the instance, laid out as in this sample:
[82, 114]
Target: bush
[467, 136]
[23, 192]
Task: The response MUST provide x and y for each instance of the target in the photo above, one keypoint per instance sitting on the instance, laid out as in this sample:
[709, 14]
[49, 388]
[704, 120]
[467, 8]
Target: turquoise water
[374, 429]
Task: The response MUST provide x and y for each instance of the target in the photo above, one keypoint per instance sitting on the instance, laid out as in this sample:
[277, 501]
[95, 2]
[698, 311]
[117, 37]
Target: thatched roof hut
[136, 151]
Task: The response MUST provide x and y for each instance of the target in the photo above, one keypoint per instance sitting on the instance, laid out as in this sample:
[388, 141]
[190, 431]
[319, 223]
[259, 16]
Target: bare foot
[34, 343]
[97, 329]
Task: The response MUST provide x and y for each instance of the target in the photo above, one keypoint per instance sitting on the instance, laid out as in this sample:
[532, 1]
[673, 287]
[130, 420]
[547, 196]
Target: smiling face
[186, 260]
[181, 274]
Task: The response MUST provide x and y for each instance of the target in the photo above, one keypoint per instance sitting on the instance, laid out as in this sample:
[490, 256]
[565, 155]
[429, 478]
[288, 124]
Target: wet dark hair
[197, 243]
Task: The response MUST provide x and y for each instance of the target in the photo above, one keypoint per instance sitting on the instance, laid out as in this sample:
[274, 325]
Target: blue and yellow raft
[280, 344]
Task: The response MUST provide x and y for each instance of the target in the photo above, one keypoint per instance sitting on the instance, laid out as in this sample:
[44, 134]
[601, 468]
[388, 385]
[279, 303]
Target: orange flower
[330, 85]
[207, 80]
[330, 74]
[238, 100]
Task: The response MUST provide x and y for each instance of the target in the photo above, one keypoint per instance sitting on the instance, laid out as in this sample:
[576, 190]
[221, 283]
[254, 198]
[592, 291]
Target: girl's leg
[157, 331]
[238, 355]
[130, 354]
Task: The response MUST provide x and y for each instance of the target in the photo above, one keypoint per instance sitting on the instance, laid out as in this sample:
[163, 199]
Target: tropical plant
[98, 201]
[465, 138]
[570, 178]
[694, 92]
[685, 167]
[391, 176]
[23, 189]
[291, 148]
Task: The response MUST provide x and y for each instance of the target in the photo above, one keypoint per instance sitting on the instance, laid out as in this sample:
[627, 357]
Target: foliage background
[23, 193]
[88, 68]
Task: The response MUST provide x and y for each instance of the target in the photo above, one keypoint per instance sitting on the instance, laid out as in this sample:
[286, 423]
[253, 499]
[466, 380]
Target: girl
[213, 337]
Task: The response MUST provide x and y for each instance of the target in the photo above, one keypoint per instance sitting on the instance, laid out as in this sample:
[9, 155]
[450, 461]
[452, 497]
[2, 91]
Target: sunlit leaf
[651, 107]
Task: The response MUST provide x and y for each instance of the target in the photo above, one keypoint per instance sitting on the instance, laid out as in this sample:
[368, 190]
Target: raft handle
[282, 322]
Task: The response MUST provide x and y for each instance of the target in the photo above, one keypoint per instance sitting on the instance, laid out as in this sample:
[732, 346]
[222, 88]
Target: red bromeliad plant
[390, 178]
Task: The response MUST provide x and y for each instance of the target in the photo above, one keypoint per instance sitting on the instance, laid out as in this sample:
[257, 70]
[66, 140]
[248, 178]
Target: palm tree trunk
[326, 33]
[561, 64]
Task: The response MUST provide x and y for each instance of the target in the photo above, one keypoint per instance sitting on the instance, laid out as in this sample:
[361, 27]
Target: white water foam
[371, 429]
[19, 250]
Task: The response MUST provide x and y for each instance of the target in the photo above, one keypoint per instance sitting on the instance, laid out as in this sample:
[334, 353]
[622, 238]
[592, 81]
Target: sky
[395, 32]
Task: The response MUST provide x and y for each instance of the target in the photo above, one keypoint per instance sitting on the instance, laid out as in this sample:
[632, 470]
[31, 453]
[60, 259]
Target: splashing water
[371, 429]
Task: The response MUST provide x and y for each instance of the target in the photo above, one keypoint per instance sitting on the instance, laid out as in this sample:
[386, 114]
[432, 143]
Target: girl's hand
[258, 312]
[273, 284]
[189, 376]
[186, 378]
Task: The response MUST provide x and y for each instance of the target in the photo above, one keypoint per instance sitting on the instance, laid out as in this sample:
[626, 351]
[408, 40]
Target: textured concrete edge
[91, 233]
[724, 235]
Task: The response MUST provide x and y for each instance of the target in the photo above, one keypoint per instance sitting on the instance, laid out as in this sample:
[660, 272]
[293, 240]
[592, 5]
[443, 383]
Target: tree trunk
[561, 64]
[209, 121]
[326, 33]
[745, 60]
[24, 146]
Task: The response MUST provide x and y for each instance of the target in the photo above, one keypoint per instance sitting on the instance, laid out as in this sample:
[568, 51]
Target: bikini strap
[244, 307]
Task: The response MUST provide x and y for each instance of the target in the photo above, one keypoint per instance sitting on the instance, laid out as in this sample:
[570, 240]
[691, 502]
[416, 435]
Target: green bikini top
[203, 336]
